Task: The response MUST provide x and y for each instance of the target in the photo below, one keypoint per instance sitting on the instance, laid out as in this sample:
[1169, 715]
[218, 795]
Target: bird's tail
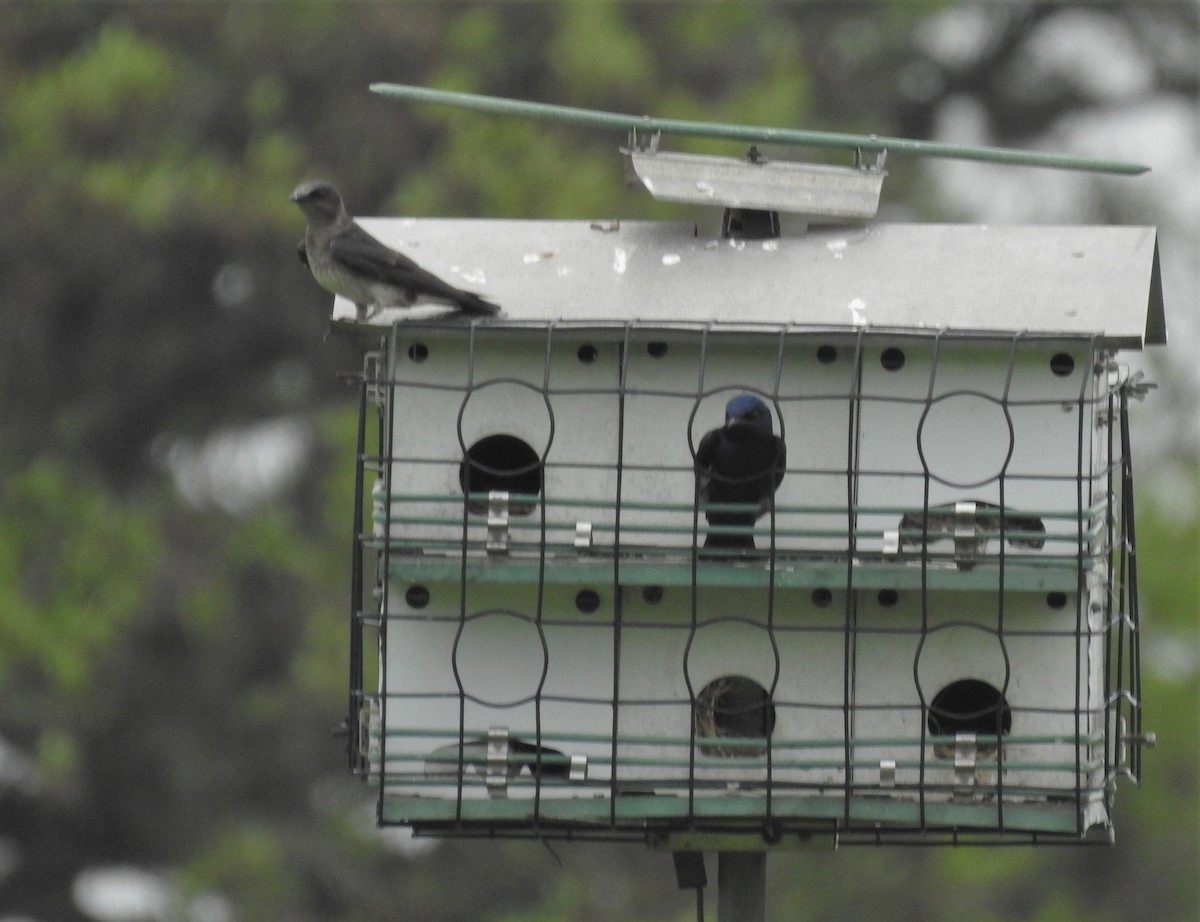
[470, 303]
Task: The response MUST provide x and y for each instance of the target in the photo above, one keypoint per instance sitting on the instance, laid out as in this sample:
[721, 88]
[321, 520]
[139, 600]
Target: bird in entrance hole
[347, 261]
[740, 462]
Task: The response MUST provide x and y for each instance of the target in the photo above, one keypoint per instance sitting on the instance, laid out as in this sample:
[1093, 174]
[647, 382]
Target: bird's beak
[294, 197]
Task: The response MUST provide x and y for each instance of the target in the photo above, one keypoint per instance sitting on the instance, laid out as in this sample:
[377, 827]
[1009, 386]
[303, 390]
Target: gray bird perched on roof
[347, 261]
[740, 462]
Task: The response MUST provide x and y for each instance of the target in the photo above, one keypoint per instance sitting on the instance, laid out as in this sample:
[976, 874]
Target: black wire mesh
[928, 633]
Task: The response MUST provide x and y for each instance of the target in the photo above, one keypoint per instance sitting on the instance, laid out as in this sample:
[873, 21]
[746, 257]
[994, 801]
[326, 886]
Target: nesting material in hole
[736, 708]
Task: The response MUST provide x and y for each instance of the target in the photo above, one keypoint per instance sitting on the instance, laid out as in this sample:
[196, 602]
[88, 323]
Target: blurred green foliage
[172, 668]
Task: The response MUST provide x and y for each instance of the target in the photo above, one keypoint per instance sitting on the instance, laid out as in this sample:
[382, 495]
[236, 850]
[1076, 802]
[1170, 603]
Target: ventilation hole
[416, 595]
[969, 706]
[892, 359]
[826, 355]
[588, 353]
[1062, 364]
[888, 597]
[657, 348]
[418, 352]
[822, 597]
[734, 707]
[1056, 600]
[652, 595]
[505, 463]
[587, 600]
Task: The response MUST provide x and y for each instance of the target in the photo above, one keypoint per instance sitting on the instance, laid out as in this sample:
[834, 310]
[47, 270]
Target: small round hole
[652, 595]
[892, 359]
[822, 597]
[418, 352]
[1056, 600]
[587, 600]
[416, 595]
[888, 597]
[588, 353]
[657, 348]
[826, 355]
[1062, 364]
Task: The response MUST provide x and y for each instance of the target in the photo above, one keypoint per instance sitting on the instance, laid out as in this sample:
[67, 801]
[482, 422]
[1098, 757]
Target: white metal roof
[1069, 280]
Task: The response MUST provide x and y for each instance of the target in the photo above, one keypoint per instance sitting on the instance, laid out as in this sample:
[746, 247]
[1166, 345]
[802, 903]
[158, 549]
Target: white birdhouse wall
[519, 615]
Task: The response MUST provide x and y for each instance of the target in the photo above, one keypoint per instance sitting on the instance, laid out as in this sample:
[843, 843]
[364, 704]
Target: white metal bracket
[496, 762]
[968, 542]
[966, 749]
[497, 523]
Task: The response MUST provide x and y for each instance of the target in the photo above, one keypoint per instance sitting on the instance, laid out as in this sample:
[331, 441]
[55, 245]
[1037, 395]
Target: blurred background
[176, 448]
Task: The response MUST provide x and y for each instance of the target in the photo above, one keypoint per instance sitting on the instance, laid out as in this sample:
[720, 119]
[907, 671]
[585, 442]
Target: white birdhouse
[574, 624]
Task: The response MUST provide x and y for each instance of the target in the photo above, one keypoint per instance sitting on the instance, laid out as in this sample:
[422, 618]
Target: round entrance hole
[737, 708]
[969, 706]
[501, 463]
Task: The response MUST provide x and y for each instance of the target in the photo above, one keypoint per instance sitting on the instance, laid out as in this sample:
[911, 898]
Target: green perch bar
[595, 118]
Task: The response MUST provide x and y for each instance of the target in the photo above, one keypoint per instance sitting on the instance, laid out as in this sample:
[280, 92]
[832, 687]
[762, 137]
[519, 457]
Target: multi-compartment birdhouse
[584, 607]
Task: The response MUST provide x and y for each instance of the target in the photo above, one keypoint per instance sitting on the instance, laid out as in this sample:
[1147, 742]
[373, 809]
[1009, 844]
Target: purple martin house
[928, 630]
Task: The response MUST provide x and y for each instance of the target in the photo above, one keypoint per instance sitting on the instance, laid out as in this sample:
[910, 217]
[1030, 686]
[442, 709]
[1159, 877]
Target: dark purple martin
[347, 261]
[740, 462]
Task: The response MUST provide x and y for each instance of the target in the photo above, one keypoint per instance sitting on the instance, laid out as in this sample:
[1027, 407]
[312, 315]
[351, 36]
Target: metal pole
[741, 886]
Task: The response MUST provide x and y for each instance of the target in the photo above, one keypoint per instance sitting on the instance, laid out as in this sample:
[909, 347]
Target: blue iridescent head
[747, 409]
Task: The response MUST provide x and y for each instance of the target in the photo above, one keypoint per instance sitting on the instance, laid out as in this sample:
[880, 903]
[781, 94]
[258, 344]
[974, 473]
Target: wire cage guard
[929, 633]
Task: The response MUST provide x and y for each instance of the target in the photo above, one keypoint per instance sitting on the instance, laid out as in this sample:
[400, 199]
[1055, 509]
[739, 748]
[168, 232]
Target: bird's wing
[362, 254]
[705, 456]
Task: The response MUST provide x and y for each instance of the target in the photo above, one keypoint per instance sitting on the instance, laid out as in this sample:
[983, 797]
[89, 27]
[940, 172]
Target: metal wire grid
[1103, 534]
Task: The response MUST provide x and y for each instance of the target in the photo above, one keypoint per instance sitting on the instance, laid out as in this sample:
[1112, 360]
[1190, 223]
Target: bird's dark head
[319, 201]
[747, 410]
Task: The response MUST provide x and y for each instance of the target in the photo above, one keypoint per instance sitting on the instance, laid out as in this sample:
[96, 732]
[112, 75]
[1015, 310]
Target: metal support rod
[497, 105]
[741, 887]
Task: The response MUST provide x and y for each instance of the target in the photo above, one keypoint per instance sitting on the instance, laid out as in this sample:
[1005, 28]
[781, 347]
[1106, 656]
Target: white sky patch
[956, 37]
[123, 894]
[1089, 50]
[236, 469]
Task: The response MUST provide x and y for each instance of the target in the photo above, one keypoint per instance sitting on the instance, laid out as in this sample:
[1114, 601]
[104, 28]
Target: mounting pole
[741, 887]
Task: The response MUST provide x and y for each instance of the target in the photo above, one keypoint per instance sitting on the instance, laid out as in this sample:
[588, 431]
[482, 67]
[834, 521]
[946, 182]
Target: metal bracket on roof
[646, 140]
[877, 166]
[497, 523]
